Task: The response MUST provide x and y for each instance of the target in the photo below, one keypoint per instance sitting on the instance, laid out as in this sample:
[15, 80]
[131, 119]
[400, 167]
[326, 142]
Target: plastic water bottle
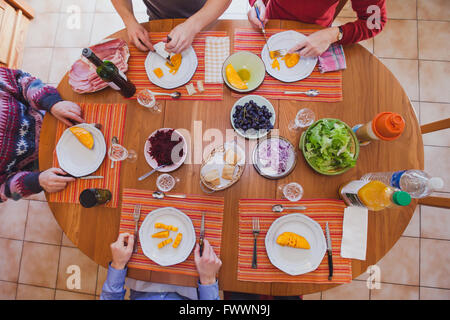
[416, 182]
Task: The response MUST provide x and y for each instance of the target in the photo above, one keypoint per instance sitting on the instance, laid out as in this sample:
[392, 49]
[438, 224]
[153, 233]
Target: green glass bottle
[109, 73]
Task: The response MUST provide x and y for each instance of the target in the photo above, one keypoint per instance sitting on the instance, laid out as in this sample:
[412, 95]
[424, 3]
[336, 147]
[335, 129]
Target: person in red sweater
[371, 20]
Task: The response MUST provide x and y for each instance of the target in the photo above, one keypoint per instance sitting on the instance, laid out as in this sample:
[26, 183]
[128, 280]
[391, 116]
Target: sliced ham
[82, 75]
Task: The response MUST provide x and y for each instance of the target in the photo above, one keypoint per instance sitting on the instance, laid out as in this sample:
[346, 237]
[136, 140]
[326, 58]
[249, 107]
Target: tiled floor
[35, 255]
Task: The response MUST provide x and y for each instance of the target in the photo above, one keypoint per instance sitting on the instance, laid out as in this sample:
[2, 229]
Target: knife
[329, 252]
[160, 51]
[202, 234]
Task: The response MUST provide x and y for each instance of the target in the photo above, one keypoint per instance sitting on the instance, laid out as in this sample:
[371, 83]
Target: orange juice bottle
[373, 195]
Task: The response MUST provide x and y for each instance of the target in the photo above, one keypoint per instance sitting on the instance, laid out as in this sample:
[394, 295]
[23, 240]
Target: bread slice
[231, 157]
[212, 177]
[228, 172]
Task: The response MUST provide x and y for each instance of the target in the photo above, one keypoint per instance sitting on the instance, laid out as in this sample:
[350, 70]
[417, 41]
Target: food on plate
[276, 64]
[176, 61]
[164, 243]
[83, 77]
[274, 155]
[231, 157]
[228, 172]
[293, 240]
[291, 59]
[252, 116]
[158, 72]
[234, 79]
[162, 234]
[84, 136]
[200, 86]
[191, 89]
[177, 241]
[162, 145]
[159, 225]
[329, 146]
[272, 54]
[212, 177]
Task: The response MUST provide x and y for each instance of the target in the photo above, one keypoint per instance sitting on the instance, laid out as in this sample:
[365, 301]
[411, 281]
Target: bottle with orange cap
[386, 126]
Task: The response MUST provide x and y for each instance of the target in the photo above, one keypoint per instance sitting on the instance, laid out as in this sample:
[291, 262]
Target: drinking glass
[147, 99]
[291, 191]
[118, 152]
[166, 182]
[304, 118]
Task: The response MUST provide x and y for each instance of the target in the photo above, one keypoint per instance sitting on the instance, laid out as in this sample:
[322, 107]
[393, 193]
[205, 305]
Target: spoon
[161, 195]
[149, 173]
[280, 208]
[309, 93]
[174, 95]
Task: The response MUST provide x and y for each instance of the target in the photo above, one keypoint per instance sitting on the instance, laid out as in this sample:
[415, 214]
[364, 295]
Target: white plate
[286, 40]
[152, 162]
[260, 101]
[76, 159]
[295, 261]
[167, 255]
[187, 69]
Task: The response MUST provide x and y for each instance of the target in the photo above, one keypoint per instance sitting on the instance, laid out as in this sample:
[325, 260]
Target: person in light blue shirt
[208, 265]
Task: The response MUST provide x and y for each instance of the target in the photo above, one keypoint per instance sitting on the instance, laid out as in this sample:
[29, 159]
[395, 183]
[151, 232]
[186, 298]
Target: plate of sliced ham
[82, 75]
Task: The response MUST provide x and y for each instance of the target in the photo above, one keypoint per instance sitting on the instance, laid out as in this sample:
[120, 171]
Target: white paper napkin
[354, 237]
[217, 49]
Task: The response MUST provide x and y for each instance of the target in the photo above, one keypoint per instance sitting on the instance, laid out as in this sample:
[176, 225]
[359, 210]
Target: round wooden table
[368, 87]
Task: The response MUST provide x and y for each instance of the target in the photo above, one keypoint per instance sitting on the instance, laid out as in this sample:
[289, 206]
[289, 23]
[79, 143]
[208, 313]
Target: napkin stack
[333, 59]
[217, 49]
[354, 237]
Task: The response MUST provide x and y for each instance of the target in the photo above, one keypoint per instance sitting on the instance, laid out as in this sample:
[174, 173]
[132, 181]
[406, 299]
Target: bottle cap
[436, 183]
[401, 198]
[388, 125]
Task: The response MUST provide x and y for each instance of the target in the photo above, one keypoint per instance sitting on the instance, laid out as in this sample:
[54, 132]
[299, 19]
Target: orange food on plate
[158, 72]
[275, 64]
[234, 79]
[163, 243]
[293, 240]
[176, 61]
[159, 225]
[84, 136]
[162, 234]
[177, 241]
[291, 59]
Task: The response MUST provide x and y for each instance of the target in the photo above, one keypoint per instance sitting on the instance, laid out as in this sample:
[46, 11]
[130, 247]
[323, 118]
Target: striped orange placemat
[329, 84]
[193, 206]
[321, 210]
[112, 119]
[138, 75]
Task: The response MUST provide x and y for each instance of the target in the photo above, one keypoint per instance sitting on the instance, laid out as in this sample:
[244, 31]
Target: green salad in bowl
[330, 146]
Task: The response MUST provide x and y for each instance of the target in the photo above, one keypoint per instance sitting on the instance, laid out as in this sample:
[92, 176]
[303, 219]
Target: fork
[256, 230]
[136, 216]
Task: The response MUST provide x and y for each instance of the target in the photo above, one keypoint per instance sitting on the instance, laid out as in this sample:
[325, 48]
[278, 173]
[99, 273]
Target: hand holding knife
[329, 252]
[202, 234]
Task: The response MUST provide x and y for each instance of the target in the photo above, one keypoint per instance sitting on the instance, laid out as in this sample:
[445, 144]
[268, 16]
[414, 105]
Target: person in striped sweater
[23, 101]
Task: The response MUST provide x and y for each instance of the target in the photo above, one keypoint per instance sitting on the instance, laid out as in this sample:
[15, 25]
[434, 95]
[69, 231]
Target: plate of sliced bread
[222, 168]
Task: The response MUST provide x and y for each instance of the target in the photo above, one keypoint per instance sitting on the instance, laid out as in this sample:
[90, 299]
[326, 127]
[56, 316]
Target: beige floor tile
[74, 33]
[42, 30]
[406, 71]
[101, 278]
[83, 6]
[67, 295]
[356, 290]
[397, 40]
[401, 264]
[313, 296]
[37, 62]
[434, 294]
[413, 228]
[401, 9]
[434, 81]
[42, 225]
[395, 292]
[13, 218]
[88, 270]
[434, 39]
[66, 241]
[41, 6]
[60, 66]
[105, 24]
[39, 264]
[26, 292]
[435, 263]
[10, 253]
[347, 11]
[435, 223]
[431, 112]
[436, 164]
[433, 9]
[8, 290]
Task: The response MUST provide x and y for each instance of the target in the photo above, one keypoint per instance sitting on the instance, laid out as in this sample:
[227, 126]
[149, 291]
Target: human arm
[183, 34]
[121, 250]
[208, 266]
[137, 34]
[253, 17]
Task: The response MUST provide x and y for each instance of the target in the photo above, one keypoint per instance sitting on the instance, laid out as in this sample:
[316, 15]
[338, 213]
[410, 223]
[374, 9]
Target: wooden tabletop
[368, 87]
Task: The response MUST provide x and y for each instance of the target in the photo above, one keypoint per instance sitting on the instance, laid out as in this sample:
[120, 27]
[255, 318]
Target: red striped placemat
[329, 84]
[321, 210]
[138, 75]
[193, 206]
[112, 119]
